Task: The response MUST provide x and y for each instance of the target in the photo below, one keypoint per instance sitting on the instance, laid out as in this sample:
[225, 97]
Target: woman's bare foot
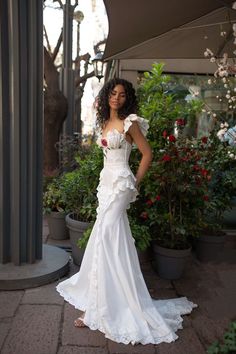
[79, 321]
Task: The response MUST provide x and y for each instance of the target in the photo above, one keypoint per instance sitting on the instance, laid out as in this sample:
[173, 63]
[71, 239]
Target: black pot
[76, 230]
[169, 263]
[208, 247]
[57, 226]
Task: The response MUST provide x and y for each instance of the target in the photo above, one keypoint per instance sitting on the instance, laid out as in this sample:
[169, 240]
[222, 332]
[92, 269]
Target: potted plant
[175, 202]
[79, 188]
[54, 208]
[221, 188]
[174, 188]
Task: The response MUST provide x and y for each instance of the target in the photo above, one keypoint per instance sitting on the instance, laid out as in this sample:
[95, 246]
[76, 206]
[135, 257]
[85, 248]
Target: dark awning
[154, 29]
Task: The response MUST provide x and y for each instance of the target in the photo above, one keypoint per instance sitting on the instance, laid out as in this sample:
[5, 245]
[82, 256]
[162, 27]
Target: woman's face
[117, 97]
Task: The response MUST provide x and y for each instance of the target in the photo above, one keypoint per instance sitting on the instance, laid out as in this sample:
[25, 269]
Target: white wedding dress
[109, 286]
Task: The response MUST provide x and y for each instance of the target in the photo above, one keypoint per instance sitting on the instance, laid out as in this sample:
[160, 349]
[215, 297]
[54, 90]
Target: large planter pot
[76, 230]
[229, 217]
[57, 226]
[144, 256]
[169, 263]
[208, 247]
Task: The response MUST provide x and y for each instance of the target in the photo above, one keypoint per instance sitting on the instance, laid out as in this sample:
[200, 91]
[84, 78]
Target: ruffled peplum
[112, 181]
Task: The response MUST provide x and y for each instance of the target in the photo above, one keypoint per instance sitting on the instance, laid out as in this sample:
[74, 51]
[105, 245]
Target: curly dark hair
[103, 108]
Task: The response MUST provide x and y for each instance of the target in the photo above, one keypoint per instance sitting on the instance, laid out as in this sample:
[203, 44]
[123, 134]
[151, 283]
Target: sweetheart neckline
[114, 129]
[111, 130]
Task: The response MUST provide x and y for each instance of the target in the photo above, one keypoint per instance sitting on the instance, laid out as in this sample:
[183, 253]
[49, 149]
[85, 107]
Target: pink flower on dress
[104, 142]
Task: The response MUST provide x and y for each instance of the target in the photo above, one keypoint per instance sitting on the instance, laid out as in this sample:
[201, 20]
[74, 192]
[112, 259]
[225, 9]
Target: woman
[109, 288]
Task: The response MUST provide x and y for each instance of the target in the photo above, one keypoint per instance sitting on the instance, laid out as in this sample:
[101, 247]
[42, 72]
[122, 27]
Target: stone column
[21, 127]
[21, 131]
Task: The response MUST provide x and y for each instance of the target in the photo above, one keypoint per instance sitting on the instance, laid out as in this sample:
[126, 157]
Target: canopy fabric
[170, 29]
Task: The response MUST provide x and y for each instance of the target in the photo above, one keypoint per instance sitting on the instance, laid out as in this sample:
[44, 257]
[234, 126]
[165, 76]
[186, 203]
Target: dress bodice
[115, 147]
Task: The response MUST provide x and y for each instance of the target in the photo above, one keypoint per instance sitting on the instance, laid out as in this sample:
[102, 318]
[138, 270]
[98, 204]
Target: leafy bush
[79, 186]
[53, 197]
[229, 342]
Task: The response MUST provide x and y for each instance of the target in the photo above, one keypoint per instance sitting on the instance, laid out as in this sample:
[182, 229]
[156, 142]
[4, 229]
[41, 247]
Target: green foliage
[229, 342]
[82, 242]
[222, 186]
[191, 181]
[170, 198]
[141, 234]
[53, 197]
[162, 106]
[79, 186]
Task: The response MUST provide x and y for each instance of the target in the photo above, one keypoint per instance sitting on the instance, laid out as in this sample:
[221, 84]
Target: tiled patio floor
[38, 320]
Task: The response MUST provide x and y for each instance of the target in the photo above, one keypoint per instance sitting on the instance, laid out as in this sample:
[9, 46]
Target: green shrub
[229, 342]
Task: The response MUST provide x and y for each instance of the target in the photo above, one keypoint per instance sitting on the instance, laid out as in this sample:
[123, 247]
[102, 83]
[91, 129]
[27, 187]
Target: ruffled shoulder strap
[143, 123]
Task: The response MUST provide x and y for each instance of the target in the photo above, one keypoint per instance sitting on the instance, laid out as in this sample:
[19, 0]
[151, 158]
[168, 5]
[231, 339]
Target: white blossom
[208, 53]
[223, 33]
[213, 59]
[234, 5]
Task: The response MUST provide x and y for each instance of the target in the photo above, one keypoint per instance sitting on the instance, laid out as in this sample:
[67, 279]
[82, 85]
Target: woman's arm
[144, 148]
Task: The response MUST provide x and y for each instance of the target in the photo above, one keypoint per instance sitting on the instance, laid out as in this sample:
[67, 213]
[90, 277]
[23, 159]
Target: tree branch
[60, 3]
[76, 4]
[97, 45]
[50, 72]
[83, 79]
[47, 40]
[56, 50]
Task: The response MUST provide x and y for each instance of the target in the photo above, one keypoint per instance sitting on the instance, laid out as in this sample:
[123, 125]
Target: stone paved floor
[38, 320]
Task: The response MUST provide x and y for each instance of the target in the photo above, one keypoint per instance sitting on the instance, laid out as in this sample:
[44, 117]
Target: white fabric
[109, 286]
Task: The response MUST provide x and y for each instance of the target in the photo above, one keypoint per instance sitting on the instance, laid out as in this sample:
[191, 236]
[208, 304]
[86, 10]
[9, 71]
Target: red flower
[184, 158]
[204, 172]
[204, 139]
[104, 142]
[158, 197]
[172, 138]
[149, 202]
[180, 122]
[144, 215]
[166, 158]
[164, 134]
[196, 168]
[206, 198]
